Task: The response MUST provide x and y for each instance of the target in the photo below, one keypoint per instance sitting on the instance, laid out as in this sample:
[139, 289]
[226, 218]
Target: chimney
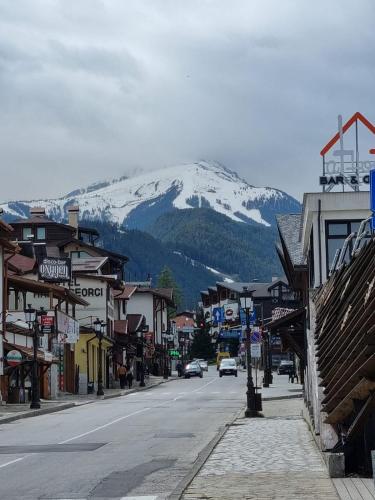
[73, 213]
[37, 212]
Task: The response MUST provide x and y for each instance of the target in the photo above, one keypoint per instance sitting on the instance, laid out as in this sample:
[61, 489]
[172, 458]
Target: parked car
[285, 367]
[228, 367]
[204, 364]
[193, 369]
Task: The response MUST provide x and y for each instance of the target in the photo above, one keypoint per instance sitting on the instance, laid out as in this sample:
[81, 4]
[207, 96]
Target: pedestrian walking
[179, 369]
[129, 377]
[122, 376]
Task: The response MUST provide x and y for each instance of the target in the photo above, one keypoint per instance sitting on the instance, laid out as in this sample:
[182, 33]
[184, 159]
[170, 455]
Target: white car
[204, 364]
[228, 366]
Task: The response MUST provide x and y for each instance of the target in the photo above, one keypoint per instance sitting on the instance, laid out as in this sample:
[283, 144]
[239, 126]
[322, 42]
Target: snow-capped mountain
[136, 202]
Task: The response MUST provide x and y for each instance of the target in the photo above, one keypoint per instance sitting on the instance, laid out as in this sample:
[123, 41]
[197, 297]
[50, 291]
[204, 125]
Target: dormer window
[40, 233]
[26, 233]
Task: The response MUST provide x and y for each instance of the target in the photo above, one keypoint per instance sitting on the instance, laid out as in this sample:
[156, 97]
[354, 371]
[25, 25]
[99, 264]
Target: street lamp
[31, 318]
[246, 304]
[99, 328]
[165, 370]
[142, 370]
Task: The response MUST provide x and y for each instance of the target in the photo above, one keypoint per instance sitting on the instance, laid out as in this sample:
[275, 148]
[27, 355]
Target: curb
[137, 389]
[278, 398]
[35, 413]
[202, 458]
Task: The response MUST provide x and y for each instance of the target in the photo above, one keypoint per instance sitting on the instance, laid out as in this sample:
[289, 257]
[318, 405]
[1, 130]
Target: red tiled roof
[121, 326]
[21, 263]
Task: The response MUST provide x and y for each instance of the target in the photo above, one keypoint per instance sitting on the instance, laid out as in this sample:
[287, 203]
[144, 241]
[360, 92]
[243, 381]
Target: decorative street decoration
[14, 358]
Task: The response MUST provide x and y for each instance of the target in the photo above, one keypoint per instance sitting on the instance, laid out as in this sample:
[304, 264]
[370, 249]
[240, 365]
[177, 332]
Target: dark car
[193, 369]
[285, 368]
[228, 367]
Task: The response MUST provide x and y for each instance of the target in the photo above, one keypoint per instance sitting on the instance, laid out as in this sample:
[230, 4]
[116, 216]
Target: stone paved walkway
[265, 458]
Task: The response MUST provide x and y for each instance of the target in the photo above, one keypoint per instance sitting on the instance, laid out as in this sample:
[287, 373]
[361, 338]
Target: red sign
[47, 323]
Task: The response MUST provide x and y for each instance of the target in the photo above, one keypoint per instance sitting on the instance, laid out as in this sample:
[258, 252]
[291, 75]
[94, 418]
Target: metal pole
[35, 400]
[100, 391]
[142, 382]
[250, 394]
[165, 374]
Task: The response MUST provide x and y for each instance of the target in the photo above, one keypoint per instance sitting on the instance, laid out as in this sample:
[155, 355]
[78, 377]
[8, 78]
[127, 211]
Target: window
[40, 233]
[336, 234]
[26, 233]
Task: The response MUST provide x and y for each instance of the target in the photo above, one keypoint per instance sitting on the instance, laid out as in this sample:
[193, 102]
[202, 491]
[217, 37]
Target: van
[219, 357]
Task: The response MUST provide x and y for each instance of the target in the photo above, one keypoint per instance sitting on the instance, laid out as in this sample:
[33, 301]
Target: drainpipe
[320, 241]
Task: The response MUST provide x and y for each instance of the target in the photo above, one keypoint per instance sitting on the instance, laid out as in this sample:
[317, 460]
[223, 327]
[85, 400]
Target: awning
[28, 352]
[59, 292]
[291, 328]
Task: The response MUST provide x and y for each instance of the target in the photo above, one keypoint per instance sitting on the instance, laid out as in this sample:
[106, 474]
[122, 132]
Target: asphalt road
[140, 445]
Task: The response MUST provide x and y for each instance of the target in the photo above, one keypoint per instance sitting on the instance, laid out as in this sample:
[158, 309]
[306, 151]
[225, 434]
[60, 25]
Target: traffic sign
[253, 317]
[256, 350]
[218, 315]
[231, 311]
[230, 334]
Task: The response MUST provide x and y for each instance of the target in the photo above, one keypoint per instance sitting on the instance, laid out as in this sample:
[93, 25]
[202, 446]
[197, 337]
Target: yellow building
[87, 359]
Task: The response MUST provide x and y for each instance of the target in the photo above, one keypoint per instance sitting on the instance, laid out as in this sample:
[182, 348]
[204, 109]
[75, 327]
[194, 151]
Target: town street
[133, 446]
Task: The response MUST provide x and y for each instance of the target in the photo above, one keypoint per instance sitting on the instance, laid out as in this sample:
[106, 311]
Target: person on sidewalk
[122, 376]
[129, 377]
[179, 369]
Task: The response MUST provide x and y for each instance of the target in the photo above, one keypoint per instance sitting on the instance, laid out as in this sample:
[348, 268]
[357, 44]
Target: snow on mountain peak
[131, 200]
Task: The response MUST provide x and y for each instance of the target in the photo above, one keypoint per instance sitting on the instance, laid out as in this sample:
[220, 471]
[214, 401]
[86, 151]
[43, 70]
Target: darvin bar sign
[345, 168]
[54, 269]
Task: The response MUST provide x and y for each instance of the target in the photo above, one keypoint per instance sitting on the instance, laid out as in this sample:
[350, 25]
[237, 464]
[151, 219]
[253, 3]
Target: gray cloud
[91, 89]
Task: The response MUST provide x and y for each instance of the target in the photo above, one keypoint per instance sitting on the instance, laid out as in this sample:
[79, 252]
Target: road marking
[108, 424]
[203, 386]
[11, 462]
[139, 498]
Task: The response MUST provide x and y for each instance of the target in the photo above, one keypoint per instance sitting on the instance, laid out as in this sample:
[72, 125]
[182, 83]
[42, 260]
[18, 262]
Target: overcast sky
[94, 89]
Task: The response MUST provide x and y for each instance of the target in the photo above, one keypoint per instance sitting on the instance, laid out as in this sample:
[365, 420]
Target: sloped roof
[134, 322]
[91, 264]
[126, 293]
[21, 264]
[289, 230]
[259, 289]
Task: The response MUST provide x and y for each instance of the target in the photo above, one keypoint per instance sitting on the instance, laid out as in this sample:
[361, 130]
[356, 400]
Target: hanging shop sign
[55, 270]
[47, 324]
[14, 358]
[343, 166]
[67, 328]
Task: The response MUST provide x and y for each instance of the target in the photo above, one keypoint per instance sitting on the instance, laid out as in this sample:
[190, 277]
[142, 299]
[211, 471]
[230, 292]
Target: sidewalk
[265, 458]
[280, 388]
[12, 412]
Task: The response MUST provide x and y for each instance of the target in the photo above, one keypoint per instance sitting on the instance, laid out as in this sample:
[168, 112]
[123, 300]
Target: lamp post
[99, 327]
[31, 318]
[246, 303]
[165, 370]
[142, 369]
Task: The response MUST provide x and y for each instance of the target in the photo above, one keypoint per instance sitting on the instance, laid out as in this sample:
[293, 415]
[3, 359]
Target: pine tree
[166, 280]
[202, 346]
